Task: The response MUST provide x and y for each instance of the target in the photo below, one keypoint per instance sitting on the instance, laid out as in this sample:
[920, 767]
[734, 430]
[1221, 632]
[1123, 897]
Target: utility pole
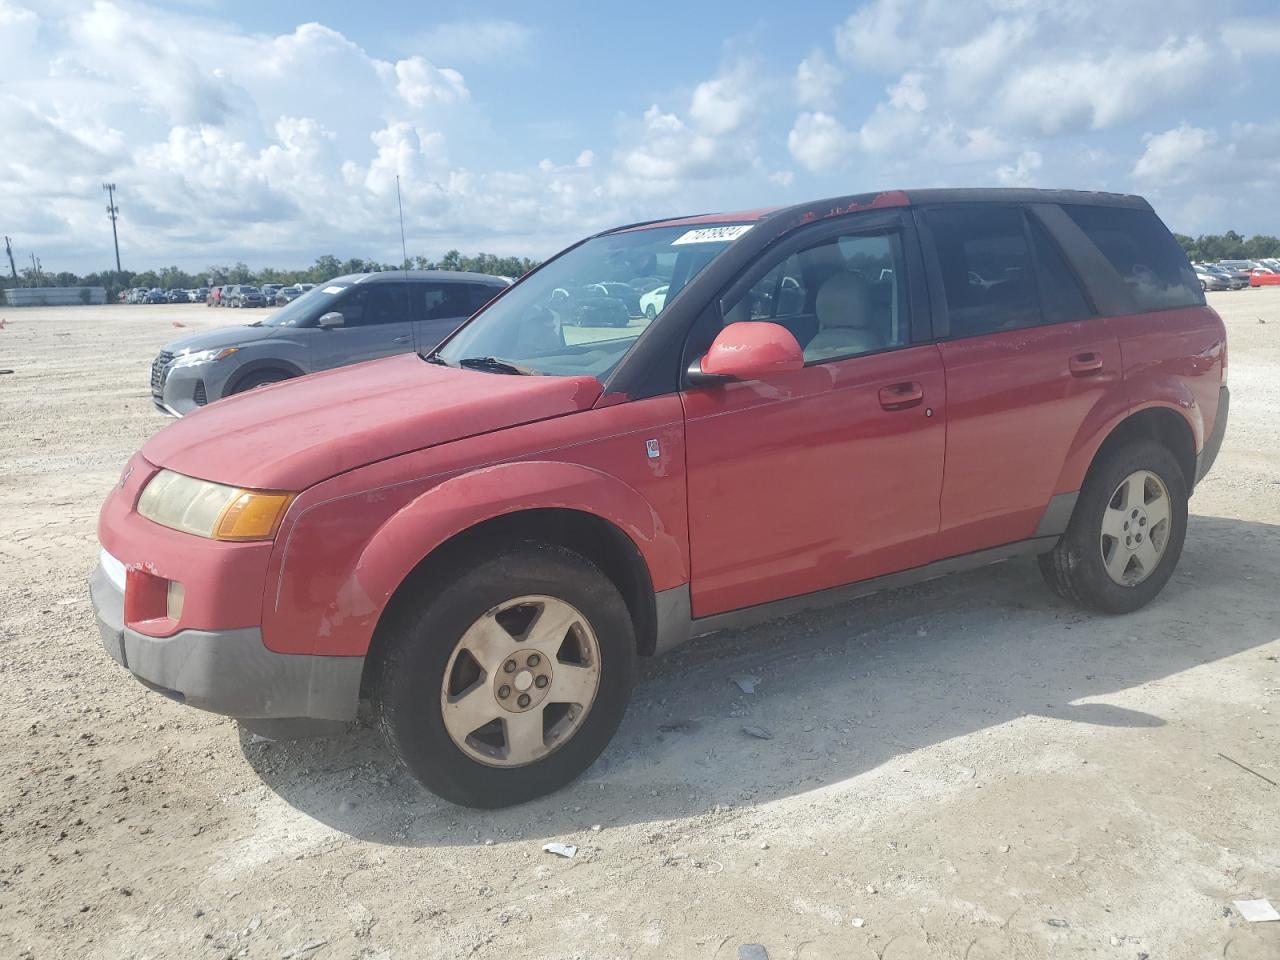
[8, 248]
[35, 271]
[113, 211]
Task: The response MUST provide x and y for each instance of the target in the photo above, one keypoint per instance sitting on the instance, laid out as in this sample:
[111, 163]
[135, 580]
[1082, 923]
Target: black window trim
[1074, 249]
[880, 222]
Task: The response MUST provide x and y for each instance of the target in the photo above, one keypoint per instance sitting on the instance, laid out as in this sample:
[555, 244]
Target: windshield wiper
[496, 365]
[435, 358]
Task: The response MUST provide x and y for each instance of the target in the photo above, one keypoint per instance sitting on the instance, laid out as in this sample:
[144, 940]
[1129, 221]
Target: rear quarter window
[1143, 252]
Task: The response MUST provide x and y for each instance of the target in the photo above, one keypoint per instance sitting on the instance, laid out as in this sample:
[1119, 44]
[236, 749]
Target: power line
[113, 211]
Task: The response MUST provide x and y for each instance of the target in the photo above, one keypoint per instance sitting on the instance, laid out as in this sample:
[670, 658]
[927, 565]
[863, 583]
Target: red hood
[293, 435]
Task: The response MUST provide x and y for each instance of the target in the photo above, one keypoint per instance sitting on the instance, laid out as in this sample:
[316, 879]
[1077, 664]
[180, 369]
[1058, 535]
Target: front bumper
[231, 671]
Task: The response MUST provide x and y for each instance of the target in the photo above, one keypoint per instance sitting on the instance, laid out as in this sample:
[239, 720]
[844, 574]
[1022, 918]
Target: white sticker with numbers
[712, 234]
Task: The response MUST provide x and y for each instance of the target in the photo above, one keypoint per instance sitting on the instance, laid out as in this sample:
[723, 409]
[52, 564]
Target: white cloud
[820, 143]
[1072, 94]
[474, 41]
[420, 83]
[816, 81]
[1020, 173]
[1173, 156]
[723, 104]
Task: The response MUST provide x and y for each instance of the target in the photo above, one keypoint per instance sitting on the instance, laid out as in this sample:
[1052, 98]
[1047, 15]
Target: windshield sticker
[712, 234]
[332, 290]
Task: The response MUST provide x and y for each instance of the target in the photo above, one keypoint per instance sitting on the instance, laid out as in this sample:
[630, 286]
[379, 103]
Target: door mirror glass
[750, 350]
[330, 320]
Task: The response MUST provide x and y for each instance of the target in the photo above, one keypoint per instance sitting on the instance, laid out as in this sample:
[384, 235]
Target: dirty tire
[261, 379]
[1074, 569]
[418, 640]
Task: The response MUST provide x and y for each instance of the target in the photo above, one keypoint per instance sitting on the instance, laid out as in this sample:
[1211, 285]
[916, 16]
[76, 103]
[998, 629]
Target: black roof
[390, 276]
[1024, 195]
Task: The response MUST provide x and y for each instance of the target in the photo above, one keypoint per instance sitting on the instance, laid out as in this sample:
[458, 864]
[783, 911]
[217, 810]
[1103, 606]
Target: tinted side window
[1143, 252]
[372, 304]
[987, 273]
[1060, 295]
[480, 295]
[443, 301]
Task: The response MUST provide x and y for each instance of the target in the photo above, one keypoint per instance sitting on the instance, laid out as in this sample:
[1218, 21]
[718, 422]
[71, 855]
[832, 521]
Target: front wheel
[1126, 533]
[507, 679]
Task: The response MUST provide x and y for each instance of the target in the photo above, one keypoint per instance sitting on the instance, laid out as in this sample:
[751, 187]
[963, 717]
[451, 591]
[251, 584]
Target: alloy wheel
[1135, 528]
[520, 681]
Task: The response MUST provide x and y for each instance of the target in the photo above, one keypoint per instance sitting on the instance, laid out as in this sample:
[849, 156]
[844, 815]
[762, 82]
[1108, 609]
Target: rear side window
[987, 272]
[1060, 295]
[482, 293]
[1143, 252]
[444, 300]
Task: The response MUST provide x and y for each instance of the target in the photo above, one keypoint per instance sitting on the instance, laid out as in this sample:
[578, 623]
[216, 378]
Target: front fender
[328, 599]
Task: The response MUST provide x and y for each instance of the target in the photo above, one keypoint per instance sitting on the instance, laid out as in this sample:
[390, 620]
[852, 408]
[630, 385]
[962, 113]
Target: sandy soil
[969, 769]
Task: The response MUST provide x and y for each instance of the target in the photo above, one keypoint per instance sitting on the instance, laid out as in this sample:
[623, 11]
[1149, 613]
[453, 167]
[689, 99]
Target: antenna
[113, 212]
[404, 263]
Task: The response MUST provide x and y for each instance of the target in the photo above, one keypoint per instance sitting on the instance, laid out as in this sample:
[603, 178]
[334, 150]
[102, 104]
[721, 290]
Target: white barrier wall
[54, 296]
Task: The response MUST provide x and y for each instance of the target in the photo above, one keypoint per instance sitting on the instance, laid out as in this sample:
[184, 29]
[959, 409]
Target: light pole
[113, 211]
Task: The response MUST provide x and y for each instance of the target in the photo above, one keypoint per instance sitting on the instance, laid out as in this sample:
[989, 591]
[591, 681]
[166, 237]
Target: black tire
[651, 313]
[261, 378]
[416, 643]
[1074, 569]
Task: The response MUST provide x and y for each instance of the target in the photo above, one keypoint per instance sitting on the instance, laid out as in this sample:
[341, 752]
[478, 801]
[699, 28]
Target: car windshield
[301, 311]
[581, 313]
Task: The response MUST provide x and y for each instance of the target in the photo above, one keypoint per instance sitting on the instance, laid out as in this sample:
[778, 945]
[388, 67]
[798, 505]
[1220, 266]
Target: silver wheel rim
[521, 681]
[1135, 528]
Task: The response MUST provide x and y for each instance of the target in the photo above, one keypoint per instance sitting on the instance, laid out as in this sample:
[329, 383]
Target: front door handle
[900, 396]
[1085, 364]
[404, 339]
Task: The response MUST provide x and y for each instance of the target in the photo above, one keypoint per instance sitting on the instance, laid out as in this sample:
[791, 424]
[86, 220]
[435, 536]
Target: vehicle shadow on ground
[842, 692]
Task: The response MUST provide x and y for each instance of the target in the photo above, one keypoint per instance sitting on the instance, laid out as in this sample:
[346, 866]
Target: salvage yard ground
[966, 769]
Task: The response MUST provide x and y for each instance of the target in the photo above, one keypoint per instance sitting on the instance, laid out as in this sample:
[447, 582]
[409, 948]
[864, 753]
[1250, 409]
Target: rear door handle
[1085, 364]
[404, 339]
[900, 396]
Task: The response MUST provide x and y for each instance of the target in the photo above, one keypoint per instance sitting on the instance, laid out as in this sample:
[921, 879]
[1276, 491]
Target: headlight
[213, 510]
[198, 357]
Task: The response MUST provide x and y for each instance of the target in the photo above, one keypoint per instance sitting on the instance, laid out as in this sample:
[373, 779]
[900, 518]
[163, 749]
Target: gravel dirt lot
[967, 769]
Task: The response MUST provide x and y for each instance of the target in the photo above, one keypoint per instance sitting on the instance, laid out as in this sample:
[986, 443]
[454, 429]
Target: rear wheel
[1126, 534]
[505, 681]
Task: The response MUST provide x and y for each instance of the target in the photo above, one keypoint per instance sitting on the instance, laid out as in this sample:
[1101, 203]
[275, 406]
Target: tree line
[325, 268]
[1228, 246]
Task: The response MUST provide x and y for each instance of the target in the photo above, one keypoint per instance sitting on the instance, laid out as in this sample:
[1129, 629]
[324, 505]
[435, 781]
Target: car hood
[221, 337]
[293, 435]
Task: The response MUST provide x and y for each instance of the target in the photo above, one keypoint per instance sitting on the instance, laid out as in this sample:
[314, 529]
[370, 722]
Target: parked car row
[245, 295]
[158, 295]
[1238, 274]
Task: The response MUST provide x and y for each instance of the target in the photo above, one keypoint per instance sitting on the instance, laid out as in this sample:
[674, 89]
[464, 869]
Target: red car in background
[837, 397]
[1264, 277]
[214, 299]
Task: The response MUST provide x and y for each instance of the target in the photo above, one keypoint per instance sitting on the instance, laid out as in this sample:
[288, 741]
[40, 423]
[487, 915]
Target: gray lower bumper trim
[227, 671]
[1206, 457]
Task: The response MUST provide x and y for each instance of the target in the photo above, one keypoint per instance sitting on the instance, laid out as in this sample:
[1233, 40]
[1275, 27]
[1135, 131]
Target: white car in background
[651, 303]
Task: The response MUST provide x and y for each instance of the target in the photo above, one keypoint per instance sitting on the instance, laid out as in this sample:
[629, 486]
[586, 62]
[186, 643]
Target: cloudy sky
[273, 132]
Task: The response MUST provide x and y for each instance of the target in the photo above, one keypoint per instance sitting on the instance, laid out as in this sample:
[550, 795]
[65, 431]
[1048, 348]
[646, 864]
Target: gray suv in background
[346, 320]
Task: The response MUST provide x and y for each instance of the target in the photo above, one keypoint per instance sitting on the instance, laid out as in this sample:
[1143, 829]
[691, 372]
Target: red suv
[834, 397]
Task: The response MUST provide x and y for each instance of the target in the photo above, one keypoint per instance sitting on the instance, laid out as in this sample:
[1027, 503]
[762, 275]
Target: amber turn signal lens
[252, 516]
